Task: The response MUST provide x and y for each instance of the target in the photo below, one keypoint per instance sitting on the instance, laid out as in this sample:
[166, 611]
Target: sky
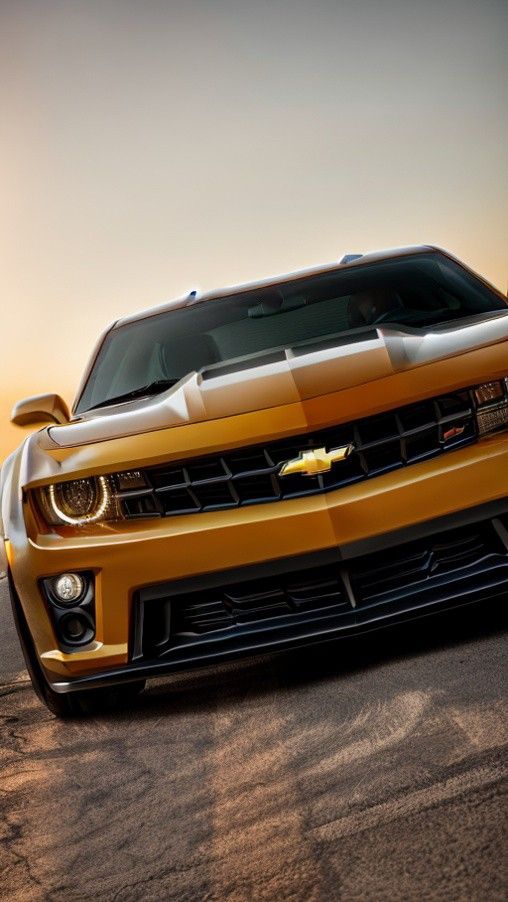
[148, 148]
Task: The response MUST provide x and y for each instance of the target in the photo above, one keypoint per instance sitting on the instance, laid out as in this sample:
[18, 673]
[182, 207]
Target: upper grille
[251, 475]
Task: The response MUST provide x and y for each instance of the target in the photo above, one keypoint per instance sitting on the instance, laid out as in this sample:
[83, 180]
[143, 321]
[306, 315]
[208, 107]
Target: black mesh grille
[449, 569]
[259, 600]
[251, 475]
[456, 559]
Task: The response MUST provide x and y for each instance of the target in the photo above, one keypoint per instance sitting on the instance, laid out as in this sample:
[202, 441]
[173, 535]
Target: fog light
[69, 587]
[76, 628]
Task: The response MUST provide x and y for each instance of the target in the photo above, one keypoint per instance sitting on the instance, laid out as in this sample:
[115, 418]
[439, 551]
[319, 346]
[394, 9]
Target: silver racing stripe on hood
[296, 376]
[196, 399]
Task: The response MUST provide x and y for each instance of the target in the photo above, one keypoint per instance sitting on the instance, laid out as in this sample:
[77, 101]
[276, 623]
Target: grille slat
[250, 475]
[449, 569]
[258, 601]
[467, 554]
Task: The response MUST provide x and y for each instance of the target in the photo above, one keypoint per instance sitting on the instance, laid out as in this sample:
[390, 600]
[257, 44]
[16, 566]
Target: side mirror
[40, 409]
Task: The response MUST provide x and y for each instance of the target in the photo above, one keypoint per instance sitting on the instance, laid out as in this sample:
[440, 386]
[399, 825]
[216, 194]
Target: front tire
[70, 704]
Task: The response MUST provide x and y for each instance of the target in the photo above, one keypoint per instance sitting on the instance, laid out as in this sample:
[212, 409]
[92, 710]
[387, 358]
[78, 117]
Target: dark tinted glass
[417, 291]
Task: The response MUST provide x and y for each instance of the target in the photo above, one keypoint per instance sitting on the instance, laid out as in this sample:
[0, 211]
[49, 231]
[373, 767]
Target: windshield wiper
[153, 388]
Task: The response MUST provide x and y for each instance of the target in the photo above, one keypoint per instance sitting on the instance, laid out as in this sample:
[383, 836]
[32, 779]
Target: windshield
[417, 291]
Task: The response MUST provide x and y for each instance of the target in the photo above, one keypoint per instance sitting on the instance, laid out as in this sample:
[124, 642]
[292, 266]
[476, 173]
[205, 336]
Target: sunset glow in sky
[150, 148]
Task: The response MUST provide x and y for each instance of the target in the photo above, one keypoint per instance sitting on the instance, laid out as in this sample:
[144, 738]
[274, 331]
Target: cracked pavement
[370, 769]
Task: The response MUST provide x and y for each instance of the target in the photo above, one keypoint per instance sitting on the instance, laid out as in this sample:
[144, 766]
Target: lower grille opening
[397, 572]
[239, 608]
[448, 569]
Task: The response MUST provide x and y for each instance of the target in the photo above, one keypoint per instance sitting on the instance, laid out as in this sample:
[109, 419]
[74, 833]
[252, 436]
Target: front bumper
[301, 602]
[469, 485]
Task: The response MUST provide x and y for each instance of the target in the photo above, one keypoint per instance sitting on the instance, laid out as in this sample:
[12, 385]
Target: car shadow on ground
[200, 690]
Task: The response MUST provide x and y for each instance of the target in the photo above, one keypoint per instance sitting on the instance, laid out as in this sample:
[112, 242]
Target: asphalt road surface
[370, 769]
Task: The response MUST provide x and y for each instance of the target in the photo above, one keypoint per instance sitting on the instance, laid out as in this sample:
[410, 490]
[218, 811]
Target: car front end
[279, 498]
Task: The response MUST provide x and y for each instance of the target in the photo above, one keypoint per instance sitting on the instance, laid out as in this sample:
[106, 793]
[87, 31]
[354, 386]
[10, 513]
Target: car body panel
[251, 404]
[177, 547]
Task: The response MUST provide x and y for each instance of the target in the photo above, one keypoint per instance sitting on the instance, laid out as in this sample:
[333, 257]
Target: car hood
[283, 377]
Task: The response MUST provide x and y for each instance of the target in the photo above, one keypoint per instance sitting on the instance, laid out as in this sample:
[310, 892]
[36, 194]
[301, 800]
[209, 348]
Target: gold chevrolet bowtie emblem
[311, 463]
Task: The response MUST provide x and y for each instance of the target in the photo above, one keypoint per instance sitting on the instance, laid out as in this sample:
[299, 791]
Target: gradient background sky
[151, 147]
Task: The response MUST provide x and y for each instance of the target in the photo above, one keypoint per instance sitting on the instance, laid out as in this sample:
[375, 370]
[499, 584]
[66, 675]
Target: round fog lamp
[69, 587]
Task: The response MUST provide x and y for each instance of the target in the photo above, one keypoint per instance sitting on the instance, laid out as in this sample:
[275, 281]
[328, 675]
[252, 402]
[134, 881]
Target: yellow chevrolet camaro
[261, 467]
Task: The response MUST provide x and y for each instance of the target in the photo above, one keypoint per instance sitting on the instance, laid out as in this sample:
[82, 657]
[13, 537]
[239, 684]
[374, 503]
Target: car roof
[357, 262]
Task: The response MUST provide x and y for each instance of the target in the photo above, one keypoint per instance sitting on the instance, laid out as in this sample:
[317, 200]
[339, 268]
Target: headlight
[94, 499]
[79, 502]
[491, 400]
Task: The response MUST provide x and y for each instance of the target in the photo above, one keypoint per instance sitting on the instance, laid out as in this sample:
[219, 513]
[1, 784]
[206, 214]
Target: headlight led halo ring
[103, 503]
